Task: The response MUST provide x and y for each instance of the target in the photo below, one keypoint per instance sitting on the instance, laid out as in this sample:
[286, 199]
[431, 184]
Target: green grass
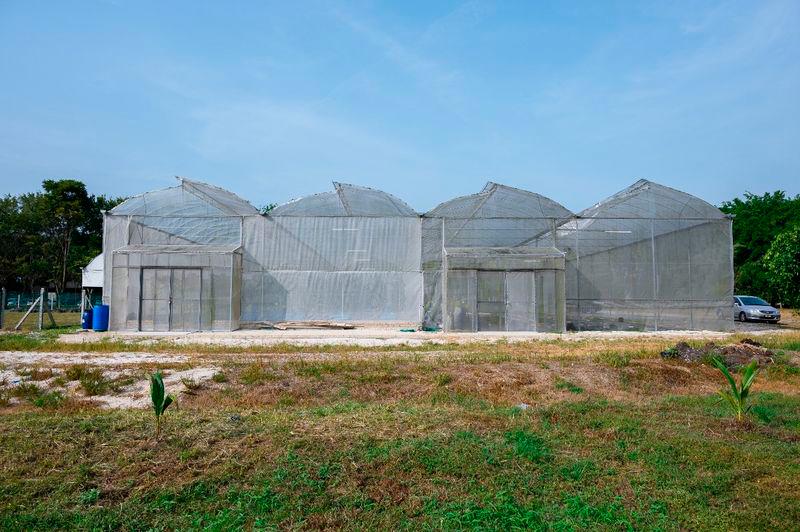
[65, 321]
[444, 461]
[401, 440]
[562, 384]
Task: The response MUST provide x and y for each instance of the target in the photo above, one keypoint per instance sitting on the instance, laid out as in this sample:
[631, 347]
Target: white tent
[93, 273]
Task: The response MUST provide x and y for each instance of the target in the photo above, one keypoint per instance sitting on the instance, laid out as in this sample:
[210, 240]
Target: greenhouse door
[505, 301]
[520, 309]
[170, 299]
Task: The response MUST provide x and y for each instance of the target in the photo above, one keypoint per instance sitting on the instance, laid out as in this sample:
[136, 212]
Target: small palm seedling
[737, 395]
[161, 400]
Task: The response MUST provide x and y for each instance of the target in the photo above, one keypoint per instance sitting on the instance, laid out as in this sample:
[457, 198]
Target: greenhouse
[196, 257]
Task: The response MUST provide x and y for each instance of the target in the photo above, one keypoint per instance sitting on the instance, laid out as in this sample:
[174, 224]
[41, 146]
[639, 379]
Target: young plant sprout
[737, 396]
[161, 401]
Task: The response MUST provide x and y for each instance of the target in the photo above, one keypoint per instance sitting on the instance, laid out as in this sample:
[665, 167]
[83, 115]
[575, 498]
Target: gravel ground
[750, 326]
[383, 336]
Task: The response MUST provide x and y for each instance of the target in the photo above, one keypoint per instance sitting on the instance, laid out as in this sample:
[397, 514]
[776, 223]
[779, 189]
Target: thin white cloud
[437, 79]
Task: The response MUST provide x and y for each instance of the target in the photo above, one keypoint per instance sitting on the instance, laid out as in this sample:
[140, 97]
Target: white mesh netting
[647, 258]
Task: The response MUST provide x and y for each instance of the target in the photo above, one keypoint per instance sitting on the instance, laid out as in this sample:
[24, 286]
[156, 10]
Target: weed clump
[94, 382]
[37, 374]
[443, 379]
[75, 371]
[49, 400]
[27, 391]
[255, 373]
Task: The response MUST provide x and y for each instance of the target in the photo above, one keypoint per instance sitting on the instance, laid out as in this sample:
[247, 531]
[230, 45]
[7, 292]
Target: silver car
[751, 308]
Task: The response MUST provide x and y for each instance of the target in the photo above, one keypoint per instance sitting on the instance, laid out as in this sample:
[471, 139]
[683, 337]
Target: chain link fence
[65, 302]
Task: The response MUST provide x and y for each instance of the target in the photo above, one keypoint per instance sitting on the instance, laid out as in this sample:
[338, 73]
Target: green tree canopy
[48, 236]
[782, 261]
[757, 222]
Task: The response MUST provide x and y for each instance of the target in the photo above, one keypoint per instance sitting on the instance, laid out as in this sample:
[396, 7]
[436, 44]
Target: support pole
[2, 307]
[52, 319]
[83, 303]
[30, 309]
[41, 308]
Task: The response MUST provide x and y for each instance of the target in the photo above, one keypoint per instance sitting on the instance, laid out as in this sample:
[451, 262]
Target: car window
[735, 301]
[750, 300]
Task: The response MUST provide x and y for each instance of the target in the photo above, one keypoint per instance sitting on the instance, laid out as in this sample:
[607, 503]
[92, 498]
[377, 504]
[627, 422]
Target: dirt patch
[94, 359]
[734, 355]
[137, 395]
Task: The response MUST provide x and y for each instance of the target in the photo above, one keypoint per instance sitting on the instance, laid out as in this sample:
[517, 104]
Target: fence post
[41, 308]
[2, 307]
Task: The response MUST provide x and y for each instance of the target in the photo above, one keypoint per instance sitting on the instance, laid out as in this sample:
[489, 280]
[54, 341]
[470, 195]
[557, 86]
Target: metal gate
[170, 299]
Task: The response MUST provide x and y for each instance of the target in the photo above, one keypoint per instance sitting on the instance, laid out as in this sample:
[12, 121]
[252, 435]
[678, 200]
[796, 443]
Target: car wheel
[742, 317]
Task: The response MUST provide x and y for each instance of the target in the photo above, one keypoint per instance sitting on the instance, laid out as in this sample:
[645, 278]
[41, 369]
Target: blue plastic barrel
[86, 319]
[100, 318]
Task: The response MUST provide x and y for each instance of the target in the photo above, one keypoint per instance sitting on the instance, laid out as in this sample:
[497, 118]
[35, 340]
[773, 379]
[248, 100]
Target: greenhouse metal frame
[197, 257]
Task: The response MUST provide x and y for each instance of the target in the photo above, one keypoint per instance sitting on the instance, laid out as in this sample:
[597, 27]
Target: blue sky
[427, 100]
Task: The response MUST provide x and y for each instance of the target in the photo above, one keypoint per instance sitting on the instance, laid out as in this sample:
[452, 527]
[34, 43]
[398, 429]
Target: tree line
[48, 236]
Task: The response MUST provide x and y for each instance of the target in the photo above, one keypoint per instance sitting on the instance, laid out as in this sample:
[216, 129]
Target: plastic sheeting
[344, 268]
[647, 258]
[175, 288]
[92, 274]
[346, 200]
[504, 289]
[188, 198]
[497, 217]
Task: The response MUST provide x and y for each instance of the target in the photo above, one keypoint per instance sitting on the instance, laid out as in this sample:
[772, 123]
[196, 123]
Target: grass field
[547, 435]
[64, 320]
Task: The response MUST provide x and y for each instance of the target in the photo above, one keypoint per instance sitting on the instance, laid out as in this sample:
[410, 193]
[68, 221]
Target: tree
[9, 236]
[782, 261]
[48, 236]
[757, 221]
[69, 208]
[267, 208]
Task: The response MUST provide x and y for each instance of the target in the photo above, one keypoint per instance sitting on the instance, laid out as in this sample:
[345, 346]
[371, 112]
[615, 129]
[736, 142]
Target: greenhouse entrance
[504, 289]
[170, 299]
[176, 287]
[505, 301]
